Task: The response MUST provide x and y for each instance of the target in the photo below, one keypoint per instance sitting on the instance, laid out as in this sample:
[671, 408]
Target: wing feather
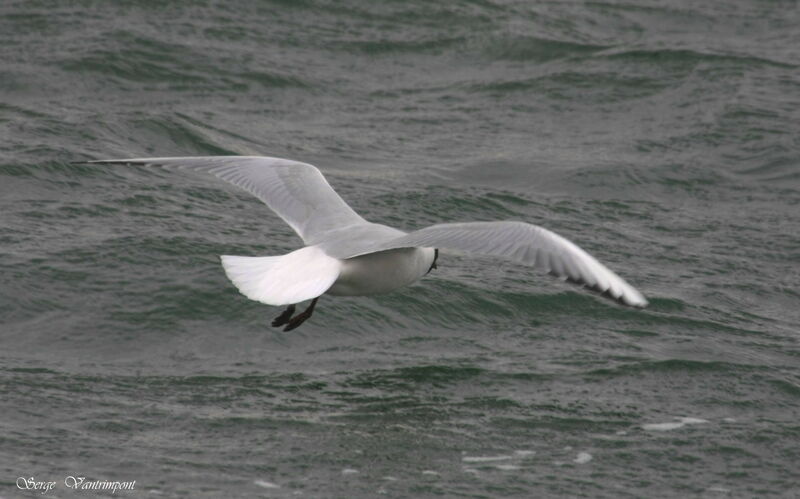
[525, 243]
[296, 191]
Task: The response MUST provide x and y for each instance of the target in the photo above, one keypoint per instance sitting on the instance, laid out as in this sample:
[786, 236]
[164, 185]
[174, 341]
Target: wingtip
[95, 161]
[130, 161]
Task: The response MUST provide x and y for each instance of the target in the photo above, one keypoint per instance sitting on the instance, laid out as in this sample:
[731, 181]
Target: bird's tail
[282, 280]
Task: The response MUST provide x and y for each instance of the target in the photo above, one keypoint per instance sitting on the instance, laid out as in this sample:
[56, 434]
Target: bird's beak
[433, 264]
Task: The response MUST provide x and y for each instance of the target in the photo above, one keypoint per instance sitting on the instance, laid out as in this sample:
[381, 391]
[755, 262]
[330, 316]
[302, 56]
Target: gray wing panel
[296, 191]
[524, 243]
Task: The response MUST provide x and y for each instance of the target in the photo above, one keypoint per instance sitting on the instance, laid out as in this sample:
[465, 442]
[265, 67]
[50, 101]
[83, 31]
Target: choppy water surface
[660, 136]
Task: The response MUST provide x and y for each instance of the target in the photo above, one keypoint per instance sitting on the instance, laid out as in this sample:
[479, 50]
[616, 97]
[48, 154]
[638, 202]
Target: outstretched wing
[296, 191]
[527, 244]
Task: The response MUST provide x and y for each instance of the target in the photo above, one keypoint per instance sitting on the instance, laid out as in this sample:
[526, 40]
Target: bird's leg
[284, 317]
[301, 317]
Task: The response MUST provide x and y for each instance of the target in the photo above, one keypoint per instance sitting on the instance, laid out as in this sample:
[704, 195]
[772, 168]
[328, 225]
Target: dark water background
[660, 136]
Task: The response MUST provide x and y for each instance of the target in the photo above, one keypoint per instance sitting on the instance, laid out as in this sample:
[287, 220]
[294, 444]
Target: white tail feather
[282, 280]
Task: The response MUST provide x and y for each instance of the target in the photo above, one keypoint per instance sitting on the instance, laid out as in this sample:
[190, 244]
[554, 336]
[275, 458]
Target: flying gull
[346, 255]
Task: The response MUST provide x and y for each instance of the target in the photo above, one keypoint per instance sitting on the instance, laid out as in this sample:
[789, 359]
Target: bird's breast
[382, 272]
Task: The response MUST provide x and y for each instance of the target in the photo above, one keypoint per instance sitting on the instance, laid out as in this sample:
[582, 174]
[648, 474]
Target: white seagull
[347, 255]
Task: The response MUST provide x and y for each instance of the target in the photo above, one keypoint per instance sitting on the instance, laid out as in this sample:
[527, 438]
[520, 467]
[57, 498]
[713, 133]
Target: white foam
[484, 459]
[430, 472]
[524, 453]
[349, 471]
[266, 484]
[694, 420]
[583, 458]
[717, 488]
[662, 426]
[673, 425]
[600, 436]
[507, 467]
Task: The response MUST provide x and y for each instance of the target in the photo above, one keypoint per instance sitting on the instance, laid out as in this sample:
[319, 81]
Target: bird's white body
[310, 272]
[382, 272]
[347, 255]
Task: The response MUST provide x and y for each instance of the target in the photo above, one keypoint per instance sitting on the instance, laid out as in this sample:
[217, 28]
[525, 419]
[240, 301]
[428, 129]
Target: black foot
[284, 317]
[301, 317]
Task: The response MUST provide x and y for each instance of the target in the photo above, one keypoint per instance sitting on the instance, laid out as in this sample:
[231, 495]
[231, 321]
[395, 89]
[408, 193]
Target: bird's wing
[296, 191]
[527, 244]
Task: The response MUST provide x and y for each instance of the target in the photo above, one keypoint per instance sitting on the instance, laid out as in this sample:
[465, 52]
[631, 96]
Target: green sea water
[662, 137]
